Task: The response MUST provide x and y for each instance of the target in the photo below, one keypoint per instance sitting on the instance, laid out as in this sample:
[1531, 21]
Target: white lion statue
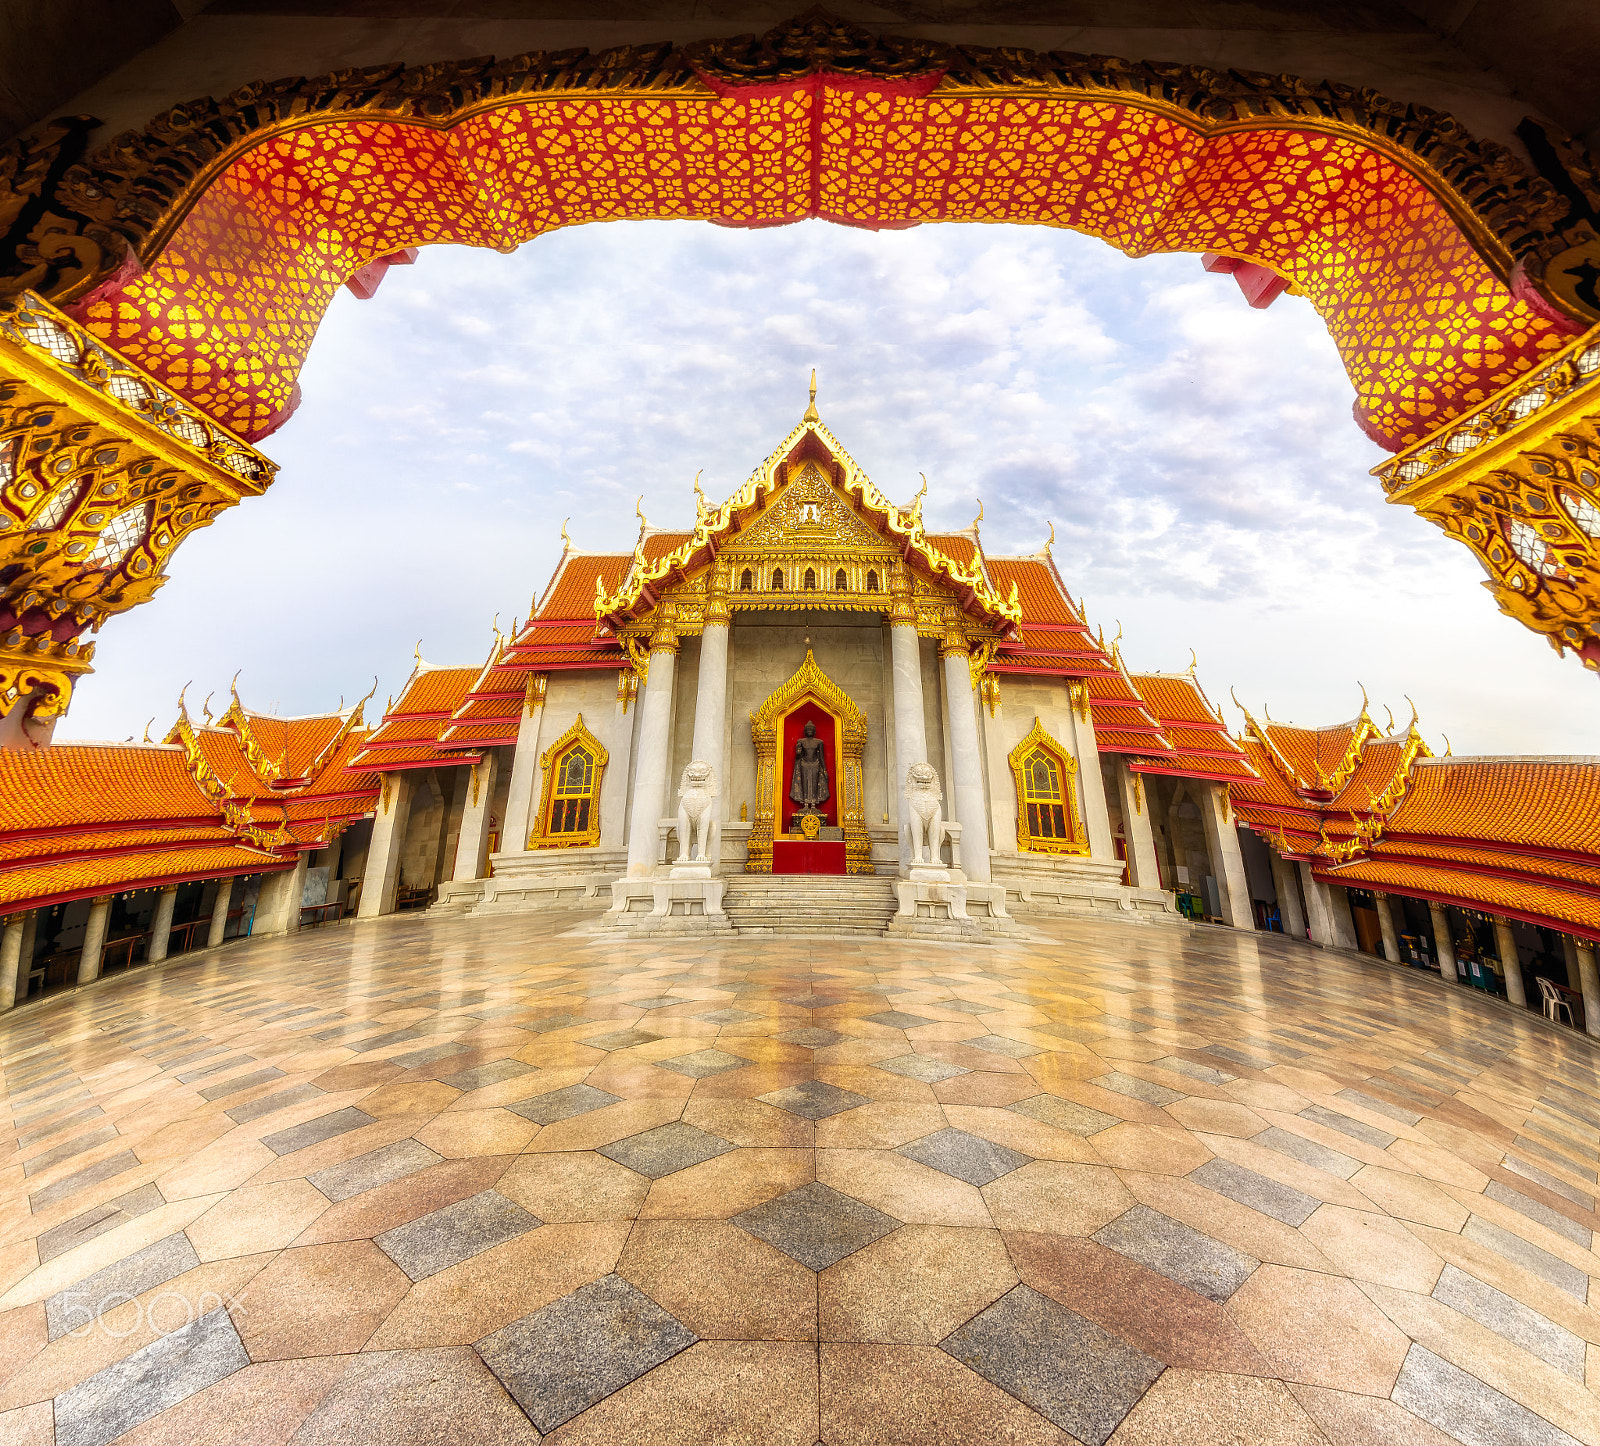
[698, 825]
[924, 828]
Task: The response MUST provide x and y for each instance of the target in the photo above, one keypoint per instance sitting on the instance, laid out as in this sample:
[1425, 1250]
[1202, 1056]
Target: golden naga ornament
[103, 473]
[1518, 482]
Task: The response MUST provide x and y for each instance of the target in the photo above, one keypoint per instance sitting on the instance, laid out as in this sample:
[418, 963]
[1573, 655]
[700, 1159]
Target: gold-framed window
[569, 808]
[1047, 796]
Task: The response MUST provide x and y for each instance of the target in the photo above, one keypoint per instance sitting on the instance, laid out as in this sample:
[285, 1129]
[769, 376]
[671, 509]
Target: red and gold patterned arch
[227, 310]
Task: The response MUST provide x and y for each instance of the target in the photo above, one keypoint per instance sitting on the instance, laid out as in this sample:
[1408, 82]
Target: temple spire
[811, 405]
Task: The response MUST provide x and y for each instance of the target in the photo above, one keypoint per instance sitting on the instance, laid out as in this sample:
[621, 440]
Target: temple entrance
[809, 737]
[811, 841]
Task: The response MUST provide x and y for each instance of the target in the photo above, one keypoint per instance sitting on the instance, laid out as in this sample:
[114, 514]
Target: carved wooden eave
[903, 539]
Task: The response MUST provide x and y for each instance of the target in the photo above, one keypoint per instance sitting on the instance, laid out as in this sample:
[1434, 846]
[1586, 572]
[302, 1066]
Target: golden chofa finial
[979, 518]
[811, 402]
[566, 542]
[1194, 662]
[205, 708]
[638, 511]
[416, 652]
[1051, 540]
[147, 730]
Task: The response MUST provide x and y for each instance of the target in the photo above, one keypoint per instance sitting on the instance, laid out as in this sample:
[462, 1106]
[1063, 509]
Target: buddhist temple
[716, 733]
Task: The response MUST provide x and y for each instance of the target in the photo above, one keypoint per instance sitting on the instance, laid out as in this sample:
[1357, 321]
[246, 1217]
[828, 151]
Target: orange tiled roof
[962, 546]
[1039, 589]
[72, 784]
[1200, 743]
[1547, 803]
[29, 887]
[570, 592]
[1527, 898]
[657, 544]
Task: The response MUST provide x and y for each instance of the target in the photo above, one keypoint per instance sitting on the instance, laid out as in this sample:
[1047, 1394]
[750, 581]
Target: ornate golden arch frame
[1078, 842]
[766, 727]
[539, 837]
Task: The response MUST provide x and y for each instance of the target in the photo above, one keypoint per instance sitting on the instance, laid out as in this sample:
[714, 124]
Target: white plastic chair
[1553, 1001]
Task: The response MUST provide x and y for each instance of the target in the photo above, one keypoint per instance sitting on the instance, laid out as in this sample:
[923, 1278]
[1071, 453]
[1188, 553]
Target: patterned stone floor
[475, 1181]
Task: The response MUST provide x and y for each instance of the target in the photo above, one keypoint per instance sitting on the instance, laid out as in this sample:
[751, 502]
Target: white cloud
[1198, 459]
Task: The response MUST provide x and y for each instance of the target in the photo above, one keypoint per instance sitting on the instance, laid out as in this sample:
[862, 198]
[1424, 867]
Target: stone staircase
[856, 904]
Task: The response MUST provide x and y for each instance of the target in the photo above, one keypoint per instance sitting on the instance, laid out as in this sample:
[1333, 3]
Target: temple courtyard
[455, 1179]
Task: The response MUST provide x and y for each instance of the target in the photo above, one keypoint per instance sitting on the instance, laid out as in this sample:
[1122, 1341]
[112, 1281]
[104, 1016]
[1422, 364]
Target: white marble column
[1290, 914]
[11, 959]
[1331, 925]
[654, 755]
[966, 758]
[1137, 836]
[30, 939]
[711, 700]
[382, 878]
[472, 843]
[1444, 946]
[1589, 987]
[161, 925]
[219, 913]
[1391, 940]
[1227, 859]
[910, 728]
[522, 795]
[278, 911]
[94, 940]
[1506, 947]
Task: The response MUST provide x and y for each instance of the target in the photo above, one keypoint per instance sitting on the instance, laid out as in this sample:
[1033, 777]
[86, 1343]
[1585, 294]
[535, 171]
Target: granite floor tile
[83, 1302]
[1178, 1251]
[1281, 1202]
[440, 1397]
[69, 1185]
[1165, 1320]
[561, 1360]
[1194, 1407]
[376, 1167]
[1530, 1257]
[1064, 1114]
[55, 1126]
[999, 1044]
[97, 1221]
[314, 1132]
[922, 1067]
[967, 1157]
[814, 1099]
[563, 1104]
[666, 1149]
[809, 1038]
[46, 1159]
[416, 1058]
[1137, 1089]
[1463, 1407]
[897, 1019]
[1553, 1183]
[728, 1016]
[1308, 1152]
[816, 1224]
[168, 1370]
[480, 1076]
[704, 1063]
[457, 1232]
[1065, 1367]
[271, 1104]
[621, 1039]
[1201, 1072]
[1520, 1324]
[1345, 1125]
[1538, 1211]
[235, 1083]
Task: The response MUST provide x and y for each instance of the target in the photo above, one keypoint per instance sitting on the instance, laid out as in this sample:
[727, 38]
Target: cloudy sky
[1208, 488]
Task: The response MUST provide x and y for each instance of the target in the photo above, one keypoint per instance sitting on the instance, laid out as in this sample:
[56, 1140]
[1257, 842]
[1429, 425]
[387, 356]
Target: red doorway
[807, 856]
